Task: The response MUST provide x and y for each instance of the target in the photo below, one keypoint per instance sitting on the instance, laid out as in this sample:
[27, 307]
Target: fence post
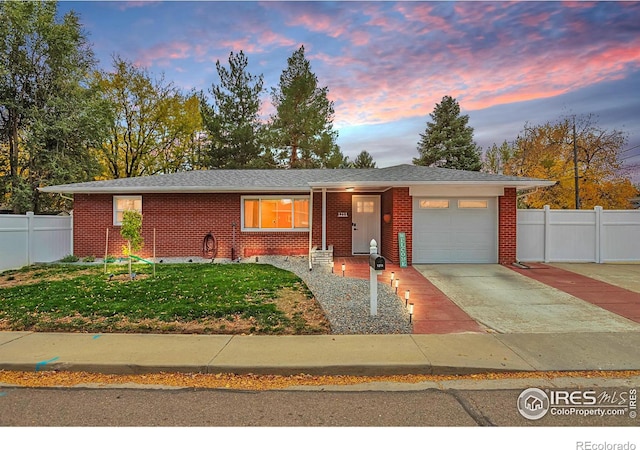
[598, 210]
[547, 233]
[30, 226]
[71, 223]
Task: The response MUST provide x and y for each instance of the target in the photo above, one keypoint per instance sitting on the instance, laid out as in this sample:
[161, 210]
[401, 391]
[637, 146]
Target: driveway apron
[614, 287]
[508, 302]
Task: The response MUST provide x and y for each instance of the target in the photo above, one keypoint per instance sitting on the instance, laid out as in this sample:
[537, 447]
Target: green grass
[81, 298]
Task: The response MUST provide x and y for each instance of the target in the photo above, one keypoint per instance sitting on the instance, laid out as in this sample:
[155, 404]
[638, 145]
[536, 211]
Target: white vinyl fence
[29, 239]
[556, 235]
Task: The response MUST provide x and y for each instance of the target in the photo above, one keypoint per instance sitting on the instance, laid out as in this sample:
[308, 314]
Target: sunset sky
[387, 64]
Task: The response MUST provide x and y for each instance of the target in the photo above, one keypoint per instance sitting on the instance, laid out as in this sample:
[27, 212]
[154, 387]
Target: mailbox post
[376, 265]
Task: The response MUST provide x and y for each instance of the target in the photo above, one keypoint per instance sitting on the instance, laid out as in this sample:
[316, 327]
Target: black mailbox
[377, 262]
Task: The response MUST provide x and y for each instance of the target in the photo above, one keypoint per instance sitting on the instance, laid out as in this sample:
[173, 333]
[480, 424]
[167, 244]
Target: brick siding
[398, 203]
[181, 222]
[507, 221]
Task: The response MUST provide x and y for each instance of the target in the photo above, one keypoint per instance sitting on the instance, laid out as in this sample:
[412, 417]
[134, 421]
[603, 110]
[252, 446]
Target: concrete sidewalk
[320, 355]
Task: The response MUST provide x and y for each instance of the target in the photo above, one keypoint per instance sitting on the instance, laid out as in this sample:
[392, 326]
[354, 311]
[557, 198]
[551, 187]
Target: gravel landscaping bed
[346, 300]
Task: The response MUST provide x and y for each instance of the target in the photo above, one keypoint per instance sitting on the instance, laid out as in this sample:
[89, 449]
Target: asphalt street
[118, 407]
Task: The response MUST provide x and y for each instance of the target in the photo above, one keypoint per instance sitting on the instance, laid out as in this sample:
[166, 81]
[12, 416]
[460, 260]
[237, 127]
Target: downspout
[310, 227]
[526, 194]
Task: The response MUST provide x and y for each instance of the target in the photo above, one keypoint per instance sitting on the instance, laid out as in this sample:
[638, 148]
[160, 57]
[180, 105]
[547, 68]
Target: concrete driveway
[626, 276]
[507, 302]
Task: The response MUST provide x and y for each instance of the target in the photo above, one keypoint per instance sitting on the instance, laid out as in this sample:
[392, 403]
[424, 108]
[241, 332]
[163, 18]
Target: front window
[124, 203]
[275, 213]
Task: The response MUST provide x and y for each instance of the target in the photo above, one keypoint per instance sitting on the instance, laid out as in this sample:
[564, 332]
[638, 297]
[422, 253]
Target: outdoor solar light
[344, 266]
[392, 277]
[397, 283]
[331, 266]
[406, 297]
[410, 311]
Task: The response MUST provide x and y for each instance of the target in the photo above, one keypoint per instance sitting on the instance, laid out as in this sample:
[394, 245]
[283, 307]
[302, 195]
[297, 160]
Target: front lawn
[182, 298]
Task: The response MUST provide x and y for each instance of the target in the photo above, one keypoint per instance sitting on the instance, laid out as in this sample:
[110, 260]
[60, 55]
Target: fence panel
[572, 236]
[530, 235]
[578, 235]
[14, 243]
[620, 236]
[31, 239]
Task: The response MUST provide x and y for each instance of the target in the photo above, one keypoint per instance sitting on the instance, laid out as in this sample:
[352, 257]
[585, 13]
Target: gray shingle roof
[255, 180]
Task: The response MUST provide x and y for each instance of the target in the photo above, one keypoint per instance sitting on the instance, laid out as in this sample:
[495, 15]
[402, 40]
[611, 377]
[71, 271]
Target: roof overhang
[168, 189]
[341, 186]
[520, 184]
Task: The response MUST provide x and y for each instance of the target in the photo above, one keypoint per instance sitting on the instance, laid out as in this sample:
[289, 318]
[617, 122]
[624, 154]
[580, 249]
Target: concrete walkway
[319, 355]
[434, 312]
[509, 302]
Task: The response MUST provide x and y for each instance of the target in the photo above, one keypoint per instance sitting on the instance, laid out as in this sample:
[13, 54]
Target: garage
[455, 230]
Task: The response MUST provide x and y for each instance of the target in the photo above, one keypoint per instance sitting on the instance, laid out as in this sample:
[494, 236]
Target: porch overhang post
[324, 219]
[310, 227]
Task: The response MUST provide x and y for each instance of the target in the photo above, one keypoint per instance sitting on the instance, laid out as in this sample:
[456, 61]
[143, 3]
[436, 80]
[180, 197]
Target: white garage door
[455, 230]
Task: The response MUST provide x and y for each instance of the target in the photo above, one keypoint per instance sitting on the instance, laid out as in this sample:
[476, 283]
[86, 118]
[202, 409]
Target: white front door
[365, 222]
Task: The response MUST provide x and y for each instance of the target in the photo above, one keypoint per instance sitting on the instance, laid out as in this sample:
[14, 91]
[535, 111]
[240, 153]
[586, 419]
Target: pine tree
[364, 160]
[448, 140]
[302, 128]
[233, 122]
[496, 157]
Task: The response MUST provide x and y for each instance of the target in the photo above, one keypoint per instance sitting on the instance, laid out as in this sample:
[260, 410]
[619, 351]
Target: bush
[89, 259]
[70, 259]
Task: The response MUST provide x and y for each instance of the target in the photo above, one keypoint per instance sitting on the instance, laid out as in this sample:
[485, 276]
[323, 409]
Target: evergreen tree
[448, 140]
[232, 122]
[364, 161]
[302, 128]
[496, 157]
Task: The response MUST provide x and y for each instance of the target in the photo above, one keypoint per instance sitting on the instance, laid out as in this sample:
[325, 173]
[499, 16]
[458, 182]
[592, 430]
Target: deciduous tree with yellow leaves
[547, 151]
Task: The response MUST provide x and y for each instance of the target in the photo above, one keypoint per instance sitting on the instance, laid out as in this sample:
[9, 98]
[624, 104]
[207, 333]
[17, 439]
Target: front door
[365, 222]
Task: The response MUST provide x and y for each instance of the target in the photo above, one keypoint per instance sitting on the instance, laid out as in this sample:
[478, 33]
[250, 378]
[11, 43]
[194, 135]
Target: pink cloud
[123, 6]
[423, 13]
[257, 44]
[328, 26]
[536, 20]
[402, 87]
[162, 54]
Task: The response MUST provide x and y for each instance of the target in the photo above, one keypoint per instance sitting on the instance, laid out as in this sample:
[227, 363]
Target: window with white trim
[273, 213]
[122, 203]
[434, 204]
[473, 204]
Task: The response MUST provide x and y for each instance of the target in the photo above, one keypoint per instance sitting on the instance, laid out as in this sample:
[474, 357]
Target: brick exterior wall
[181, 222]
[507, 225]
[398, 203]
[338, 228]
